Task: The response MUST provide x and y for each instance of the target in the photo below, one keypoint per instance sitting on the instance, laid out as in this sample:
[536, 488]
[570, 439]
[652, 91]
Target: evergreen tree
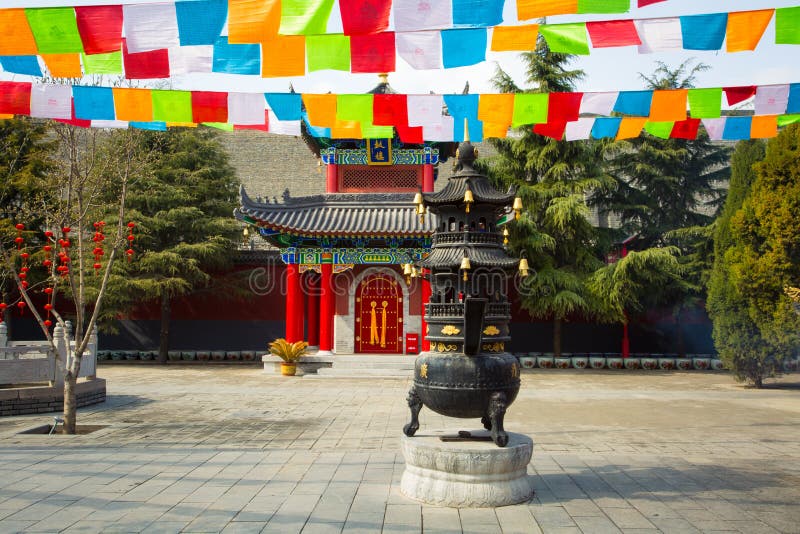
[757, 254]
[185, 230]
[552, 179]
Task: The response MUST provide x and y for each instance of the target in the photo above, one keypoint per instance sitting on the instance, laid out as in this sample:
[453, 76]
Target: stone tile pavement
[229, 449]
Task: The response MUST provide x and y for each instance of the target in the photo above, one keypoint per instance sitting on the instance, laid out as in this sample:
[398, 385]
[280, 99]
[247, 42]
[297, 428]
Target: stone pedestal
[466, 473]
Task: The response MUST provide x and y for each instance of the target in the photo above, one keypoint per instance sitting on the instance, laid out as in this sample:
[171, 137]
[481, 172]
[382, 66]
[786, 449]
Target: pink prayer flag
[425, 110]
[364, 16]
[714, 128]
[51, 101]
[610, 33]
[771, 99]
[415, 15]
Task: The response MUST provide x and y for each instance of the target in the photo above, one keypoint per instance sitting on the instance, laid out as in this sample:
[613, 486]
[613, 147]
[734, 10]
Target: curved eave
[478, 257]
[482, 191]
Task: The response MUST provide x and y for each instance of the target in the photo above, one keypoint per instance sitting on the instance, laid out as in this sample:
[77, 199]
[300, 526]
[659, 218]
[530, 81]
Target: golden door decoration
[379, 315]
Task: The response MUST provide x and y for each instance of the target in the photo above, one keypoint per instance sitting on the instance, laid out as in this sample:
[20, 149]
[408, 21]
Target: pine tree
[185, 231]
[758, 253]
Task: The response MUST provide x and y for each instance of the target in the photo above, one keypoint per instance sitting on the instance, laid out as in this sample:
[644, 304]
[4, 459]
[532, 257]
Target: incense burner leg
[497, 412]
[415, 405]
[486, 422]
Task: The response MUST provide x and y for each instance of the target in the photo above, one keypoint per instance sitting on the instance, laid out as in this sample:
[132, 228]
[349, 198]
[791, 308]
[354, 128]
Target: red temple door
[379, 315]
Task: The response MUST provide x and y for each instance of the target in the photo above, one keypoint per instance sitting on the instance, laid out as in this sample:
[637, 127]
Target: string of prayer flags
[100, 28]
[253, 21]
[200, 22]
[364, 16]
[463, 47]
[55, 30]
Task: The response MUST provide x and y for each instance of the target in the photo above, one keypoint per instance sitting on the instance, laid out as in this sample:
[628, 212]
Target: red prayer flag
[145, 65]
[643, 3]
[364, 16]
[372, 53]
[15, 98]
[610, 33]
[209, 106]
[390, 110]
[685, 129]
[411, 135]
[554, 129]
[739, 94]
[100, 28]
[564, 107]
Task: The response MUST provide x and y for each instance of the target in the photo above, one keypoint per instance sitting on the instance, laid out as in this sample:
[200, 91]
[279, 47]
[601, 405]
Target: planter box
[545, 362]
[615, 362]
[203, 356]
[174, 355]
[632, 363]
[188, 356]
[563, 362]
[233, 355]
[597, 362]
[649, 363]
[218, 355]
[580, 362]
[717, 365]
[684, 364]
[527, 362]
[667, 364]
[702, 364]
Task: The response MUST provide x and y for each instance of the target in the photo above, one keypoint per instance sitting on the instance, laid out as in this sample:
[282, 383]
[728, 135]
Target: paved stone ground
[229, 449]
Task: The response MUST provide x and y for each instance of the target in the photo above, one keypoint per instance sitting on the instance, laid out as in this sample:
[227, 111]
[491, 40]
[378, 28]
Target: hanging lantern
[517, 207]
[468, 198]
[505, 236]
[3, 307]
[49, 305]
[131, 238]
[524, 270]
[19, 240]
[21, 307]
[465, 266]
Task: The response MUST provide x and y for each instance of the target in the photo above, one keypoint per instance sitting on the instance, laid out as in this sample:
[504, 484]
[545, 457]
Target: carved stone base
[466, 473]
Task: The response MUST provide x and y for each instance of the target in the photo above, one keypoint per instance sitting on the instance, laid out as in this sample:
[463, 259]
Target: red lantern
[48, 290]
[48, 306]
[48, 323]
[48, 234]
[66, 230]
[19, 227]
[3, 307]
[21, 307]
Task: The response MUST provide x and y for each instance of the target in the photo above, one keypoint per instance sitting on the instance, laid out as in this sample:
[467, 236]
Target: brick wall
[22, 401]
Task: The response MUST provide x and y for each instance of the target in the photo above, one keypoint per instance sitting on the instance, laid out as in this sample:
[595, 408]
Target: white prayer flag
[414, 15]
[771, 99]
[283, 127]
[150, 26]
[51, 101]
[439, 132]
[421, 50]
[425, 110]
[599, 103]
[659, 34]
[580, 129]
[714, 128]
[191, 59]
[246, 108]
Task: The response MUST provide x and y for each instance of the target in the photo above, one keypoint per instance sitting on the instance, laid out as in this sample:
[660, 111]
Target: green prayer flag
[566, 38]
[305, 17]
[659, 129]
[354, 108]
[705, 103]
[786, 120]
[604, 6]
[110, 63]
[370, 131]
[55, 30]
[328, 52]
[530, 108]
[787, 25]
[224, 126]
[172, 106]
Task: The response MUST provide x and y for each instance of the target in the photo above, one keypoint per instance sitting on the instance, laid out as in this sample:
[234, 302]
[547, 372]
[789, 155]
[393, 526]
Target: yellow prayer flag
[346, 130]
[496, 109]
[514, 38]
[284, 56]
[491, 129]
[133, 104]
[181, 125]
[764, 126]
[16, 37]
[668, 105]
[745, 29]
[630, 127]
[253, 21]
[321, 109]
[63, 65]
[531, 9]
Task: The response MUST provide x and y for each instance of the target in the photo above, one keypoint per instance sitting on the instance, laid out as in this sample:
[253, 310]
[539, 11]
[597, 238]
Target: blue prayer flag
[477, 12]
[704, 32]
[475, 130]
[286, 106]
[236, 58]
[93, 103]
[21, 65]
[605, 127]
[737, 128]
[200, 22]
[155, 126]
[463, 47]
[635, 103]
[794, 99]
[462, 107]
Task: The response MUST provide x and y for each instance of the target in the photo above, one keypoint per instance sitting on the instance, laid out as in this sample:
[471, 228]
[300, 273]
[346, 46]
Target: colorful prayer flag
[285, 55]
[415, 15]
[372, 53]
[200, 22]
[668, 105]
[606, 127]
[705, 103]
[100, 28]
[135, 105]
[321, 109]
[110, 63]
[566, 38]
[771, 99]
[364, 16]
[63, 65]
[16, 38]
[463, 47]
[478, 13]
[496, 109]
[253, 21]
[530, 108]
[236, 58]
[745, 29]
[659, 129]
[208, 106]
[787, 25]
[285, 106]
[354, 108]
[330, 51]
[533, 9]
[93, 103]
[737, 128]
[425, 110]
[390, 110]
[793, 106]
[305, 17]
[55, 30]
[636, 103]
[144, 65]
[714, 127]
[51, 101]
[763, 126]
[553, 129]
[604, 6]
[686, 129]
[611, 33]
[421, 50]
[150, 27]
[735, 95]
[630, 127]
[246, 109]
[659, 34]
[28, 65]
[564, 107]
[704, 32]
[172, 106]
[598, 103]
[514, 38]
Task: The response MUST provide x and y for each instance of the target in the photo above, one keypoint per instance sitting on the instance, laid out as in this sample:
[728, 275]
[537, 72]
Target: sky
[606, 69]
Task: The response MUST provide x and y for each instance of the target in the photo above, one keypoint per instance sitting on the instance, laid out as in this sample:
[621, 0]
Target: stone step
[371, 364]
[361, 358]
[333, 372]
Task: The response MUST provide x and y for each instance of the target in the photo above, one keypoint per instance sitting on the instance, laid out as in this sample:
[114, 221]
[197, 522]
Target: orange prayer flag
[514, 38]
[133, 104]
[668, 105]
[16, 37]
[346, 130]
[4, 116]
[531, 9]
[63, 65]
[496, 109]
[181, 125]
[763, 126]
[253, 21]
[284, 56]
[745, 29]
[321, 109]
[630, 127]
[491, 129]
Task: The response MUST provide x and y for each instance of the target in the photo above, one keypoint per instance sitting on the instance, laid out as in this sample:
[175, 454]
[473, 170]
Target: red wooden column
[332, 178]
[427, 178]
[312, 307]
[294, 306]
[426, 296]
[327, 305]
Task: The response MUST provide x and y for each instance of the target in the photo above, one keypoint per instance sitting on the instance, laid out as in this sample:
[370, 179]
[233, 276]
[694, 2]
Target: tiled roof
[340, 214]
[478, 257]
